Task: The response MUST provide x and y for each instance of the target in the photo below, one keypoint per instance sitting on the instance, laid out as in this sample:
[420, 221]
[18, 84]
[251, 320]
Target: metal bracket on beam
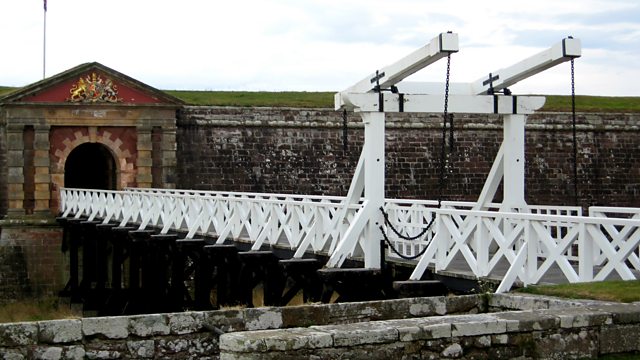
[470, 104]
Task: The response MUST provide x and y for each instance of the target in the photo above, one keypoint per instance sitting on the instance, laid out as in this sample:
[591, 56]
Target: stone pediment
[90, 83]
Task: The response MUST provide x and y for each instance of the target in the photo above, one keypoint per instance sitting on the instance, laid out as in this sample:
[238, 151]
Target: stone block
[146, 162]
[144, 178]
[16, 179]
[304, 316]
[42, 205]
[430, 306]
[15, 161]
[108, 327]
[520, 321]
[452, 351]
[60, 331]
[580, 317]
[361, 333]
[13, 354]
[48, 353]
[243, 342]
[18, 334]
[144, 143]
[141, 349]
[149, 325]
[462, 304]
[74, 352]
[517, 302]
[41, 161]
[14, 141]
[295, 339]
[15, 172]
[186, 323]
[224, 320]
[263, 318]
[41, 195]
[474, 325]
[188, 346]
[421, 329]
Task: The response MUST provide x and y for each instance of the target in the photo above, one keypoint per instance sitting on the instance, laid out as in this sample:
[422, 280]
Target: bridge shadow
[118, 270]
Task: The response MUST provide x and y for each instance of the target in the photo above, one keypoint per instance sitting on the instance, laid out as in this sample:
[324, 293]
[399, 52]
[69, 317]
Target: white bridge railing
[525, 246]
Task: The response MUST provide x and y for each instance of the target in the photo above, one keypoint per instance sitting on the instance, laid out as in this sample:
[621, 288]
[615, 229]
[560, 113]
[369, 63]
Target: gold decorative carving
[93, 88]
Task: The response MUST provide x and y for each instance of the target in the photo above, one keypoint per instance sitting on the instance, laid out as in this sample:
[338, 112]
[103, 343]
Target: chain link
[442, 175]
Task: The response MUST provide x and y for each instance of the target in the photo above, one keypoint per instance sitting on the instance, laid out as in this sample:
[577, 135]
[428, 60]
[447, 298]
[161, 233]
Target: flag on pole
[45, 5]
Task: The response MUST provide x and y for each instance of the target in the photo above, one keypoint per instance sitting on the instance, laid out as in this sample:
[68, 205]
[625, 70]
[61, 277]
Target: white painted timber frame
[377, 94]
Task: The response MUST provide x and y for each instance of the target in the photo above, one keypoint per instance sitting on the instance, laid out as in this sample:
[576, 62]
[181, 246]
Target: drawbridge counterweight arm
[438, 48]
[565, 50]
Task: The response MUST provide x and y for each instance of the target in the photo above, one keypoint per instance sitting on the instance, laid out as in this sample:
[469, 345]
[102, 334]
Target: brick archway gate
[88, 111]
[89, 104]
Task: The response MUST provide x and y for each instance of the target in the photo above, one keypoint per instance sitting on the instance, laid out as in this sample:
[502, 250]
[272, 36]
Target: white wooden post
[513, 162]
[374, 129]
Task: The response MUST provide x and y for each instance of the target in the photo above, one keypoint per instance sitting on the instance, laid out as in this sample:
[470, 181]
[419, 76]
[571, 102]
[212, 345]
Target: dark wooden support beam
[419, 288]
[225, 267]
[260, 267]
[301, 274]
[356, 284]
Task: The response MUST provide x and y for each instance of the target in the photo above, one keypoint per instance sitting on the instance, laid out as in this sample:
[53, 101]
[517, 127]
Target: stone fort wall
[303, 151]
[306, 151]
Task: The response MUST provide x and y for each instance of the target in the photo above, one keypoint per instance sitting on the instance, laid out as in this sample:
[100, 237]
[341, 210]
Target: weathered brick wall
[3, 168]
[302, 151]
[31, 262]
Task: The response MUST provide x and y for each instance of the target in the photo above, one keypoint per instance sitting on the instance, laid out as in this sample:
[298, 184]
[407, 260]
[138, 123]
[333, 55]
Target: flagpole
[44, 42]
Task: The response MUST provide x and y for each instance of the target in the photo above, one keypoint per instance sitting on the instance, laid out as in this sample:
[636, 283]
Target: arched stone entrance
[88, 127]
[90, 166]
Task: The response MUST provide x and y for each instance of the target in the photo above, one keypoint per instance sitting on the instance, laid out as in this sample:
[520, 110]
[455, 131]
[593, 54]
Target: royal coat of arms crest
[93, 88]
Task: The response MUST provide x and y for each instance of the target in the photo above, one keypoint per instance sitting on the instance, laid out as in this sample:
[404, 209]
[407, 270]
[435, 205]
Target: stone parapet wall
[558, 332]
[285, 150]
[195, 334]
[475, 326]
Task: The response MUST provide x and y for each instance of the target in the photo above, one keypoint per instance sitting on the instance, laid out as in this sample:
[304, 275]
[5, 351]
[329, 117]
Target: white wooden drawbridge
[512, 240]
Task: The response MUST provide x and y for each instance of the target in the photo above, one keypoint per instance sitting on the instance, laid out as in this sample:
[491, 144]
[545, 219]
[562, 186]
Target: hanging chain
[575, 142]
[441, 179]
[442, 176]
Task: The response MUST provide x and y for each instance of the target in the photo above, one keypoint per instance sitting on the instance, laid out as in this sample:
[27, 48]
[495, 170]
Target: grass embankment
[619, 291]
[301, 99]
[36, 310]
[602, 104]
[554, 103]
[4, 90]
[311, 99]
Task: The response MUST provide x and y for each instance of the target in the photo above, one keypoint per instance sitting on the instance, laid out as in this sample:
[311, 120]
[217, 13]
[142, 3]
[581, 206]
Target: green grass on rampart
[619, 291]
[310, 99]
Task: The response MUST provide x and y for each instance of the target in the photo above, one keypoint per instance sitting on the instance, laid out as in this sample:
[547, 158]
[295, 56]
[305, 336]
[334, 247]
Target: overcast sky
[318, 45]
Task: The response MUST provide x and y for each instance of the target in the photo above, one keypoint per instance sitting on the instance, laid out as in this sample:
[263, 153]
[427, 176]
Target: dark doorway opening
[90, 166]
